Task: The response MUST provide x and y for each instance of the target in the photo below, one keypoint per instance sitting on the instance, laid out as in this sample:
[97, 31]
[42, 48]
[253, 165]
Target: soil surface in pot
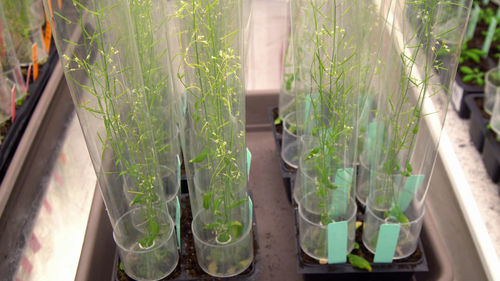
[188, 263]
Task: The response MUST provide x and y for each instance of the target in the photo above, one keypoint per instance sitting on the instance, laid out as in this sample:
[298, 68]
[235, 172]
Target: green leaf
[468, 78]
[235, 229]
[122, 267]
[153, 228]
[201, 157]
[359, 262]
[475, 57]
[356, 245]
[409, 168]
[312, 153]
[480, 81]
[206, 200]
[289, 83]
[466, 70]
[277, 121]
[211, 226]
[137, 199]
[237, 203]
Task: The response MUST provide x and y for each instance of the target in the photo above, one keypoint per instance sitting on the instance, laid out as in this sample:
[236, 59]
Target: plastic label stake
[409, 190]
[35, 61]
[178, 170]
[473, 21]
[250, 208]
[343, 180]
[249, 161]
[337, 242]
[386, 244]
[178, 221]
[489, 37]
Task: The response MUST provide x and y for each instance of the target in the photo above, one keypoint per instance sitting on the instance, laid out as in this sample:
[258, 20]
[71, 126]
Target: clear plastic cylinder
[491, 89]
[146, 263]
[416, 70]
[210, 35]
[102, 65]
[314, 235]
[289, 141]
[326, 113]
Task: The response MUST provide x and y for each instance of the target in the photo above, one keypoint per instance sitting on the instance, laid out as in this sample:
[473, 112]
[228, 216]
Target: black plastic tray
[458, 99]
[287, 173]
[182, 274]
[397, 270]
[491, 156]
[477, 125]
[24, 112]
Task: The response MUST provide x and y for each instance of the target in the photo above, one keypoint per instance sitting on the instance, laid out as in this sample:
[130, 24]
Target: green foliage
[95, 64]
[359, 262]
[472, 75]
[208, 36]
[471, 54]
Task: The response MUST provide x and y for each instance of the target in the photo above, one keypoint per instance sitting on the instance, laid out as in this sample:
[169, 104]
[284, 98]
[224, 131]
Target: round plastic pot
[408, 232]
[314, 235]
[491, 89]
[289, 150]
[221, 259]
[151, 263]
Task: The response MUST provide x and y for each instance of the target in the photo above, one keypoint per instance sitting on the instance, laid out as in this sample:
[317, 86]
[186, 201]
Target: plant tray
[287, 173]
[460, 91]
[398, 270]
[478, 121]
[23, 113]
[491, 156]
[187, 268]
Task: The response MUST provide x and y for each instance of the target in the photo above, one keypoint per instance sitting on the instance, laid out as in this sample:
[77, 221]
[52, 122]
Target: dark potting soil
[188, 263]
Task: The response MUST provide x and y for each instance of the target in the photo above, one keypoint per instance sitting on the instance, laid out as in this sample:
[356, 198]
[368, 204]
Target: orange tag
[48, 35]
[50, 9]
[60, 4]
[35, 62]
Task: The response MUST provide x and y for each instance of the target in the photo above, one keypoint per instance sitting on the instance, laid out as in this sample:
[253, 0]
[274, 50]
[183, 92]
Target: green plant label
[178, 170]
[409, 190]
[489, 37]
[343, 180]
[178, 221]
[250, 208]
[249, 161]
[474, 16]
[337, 242]
[386, 244]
